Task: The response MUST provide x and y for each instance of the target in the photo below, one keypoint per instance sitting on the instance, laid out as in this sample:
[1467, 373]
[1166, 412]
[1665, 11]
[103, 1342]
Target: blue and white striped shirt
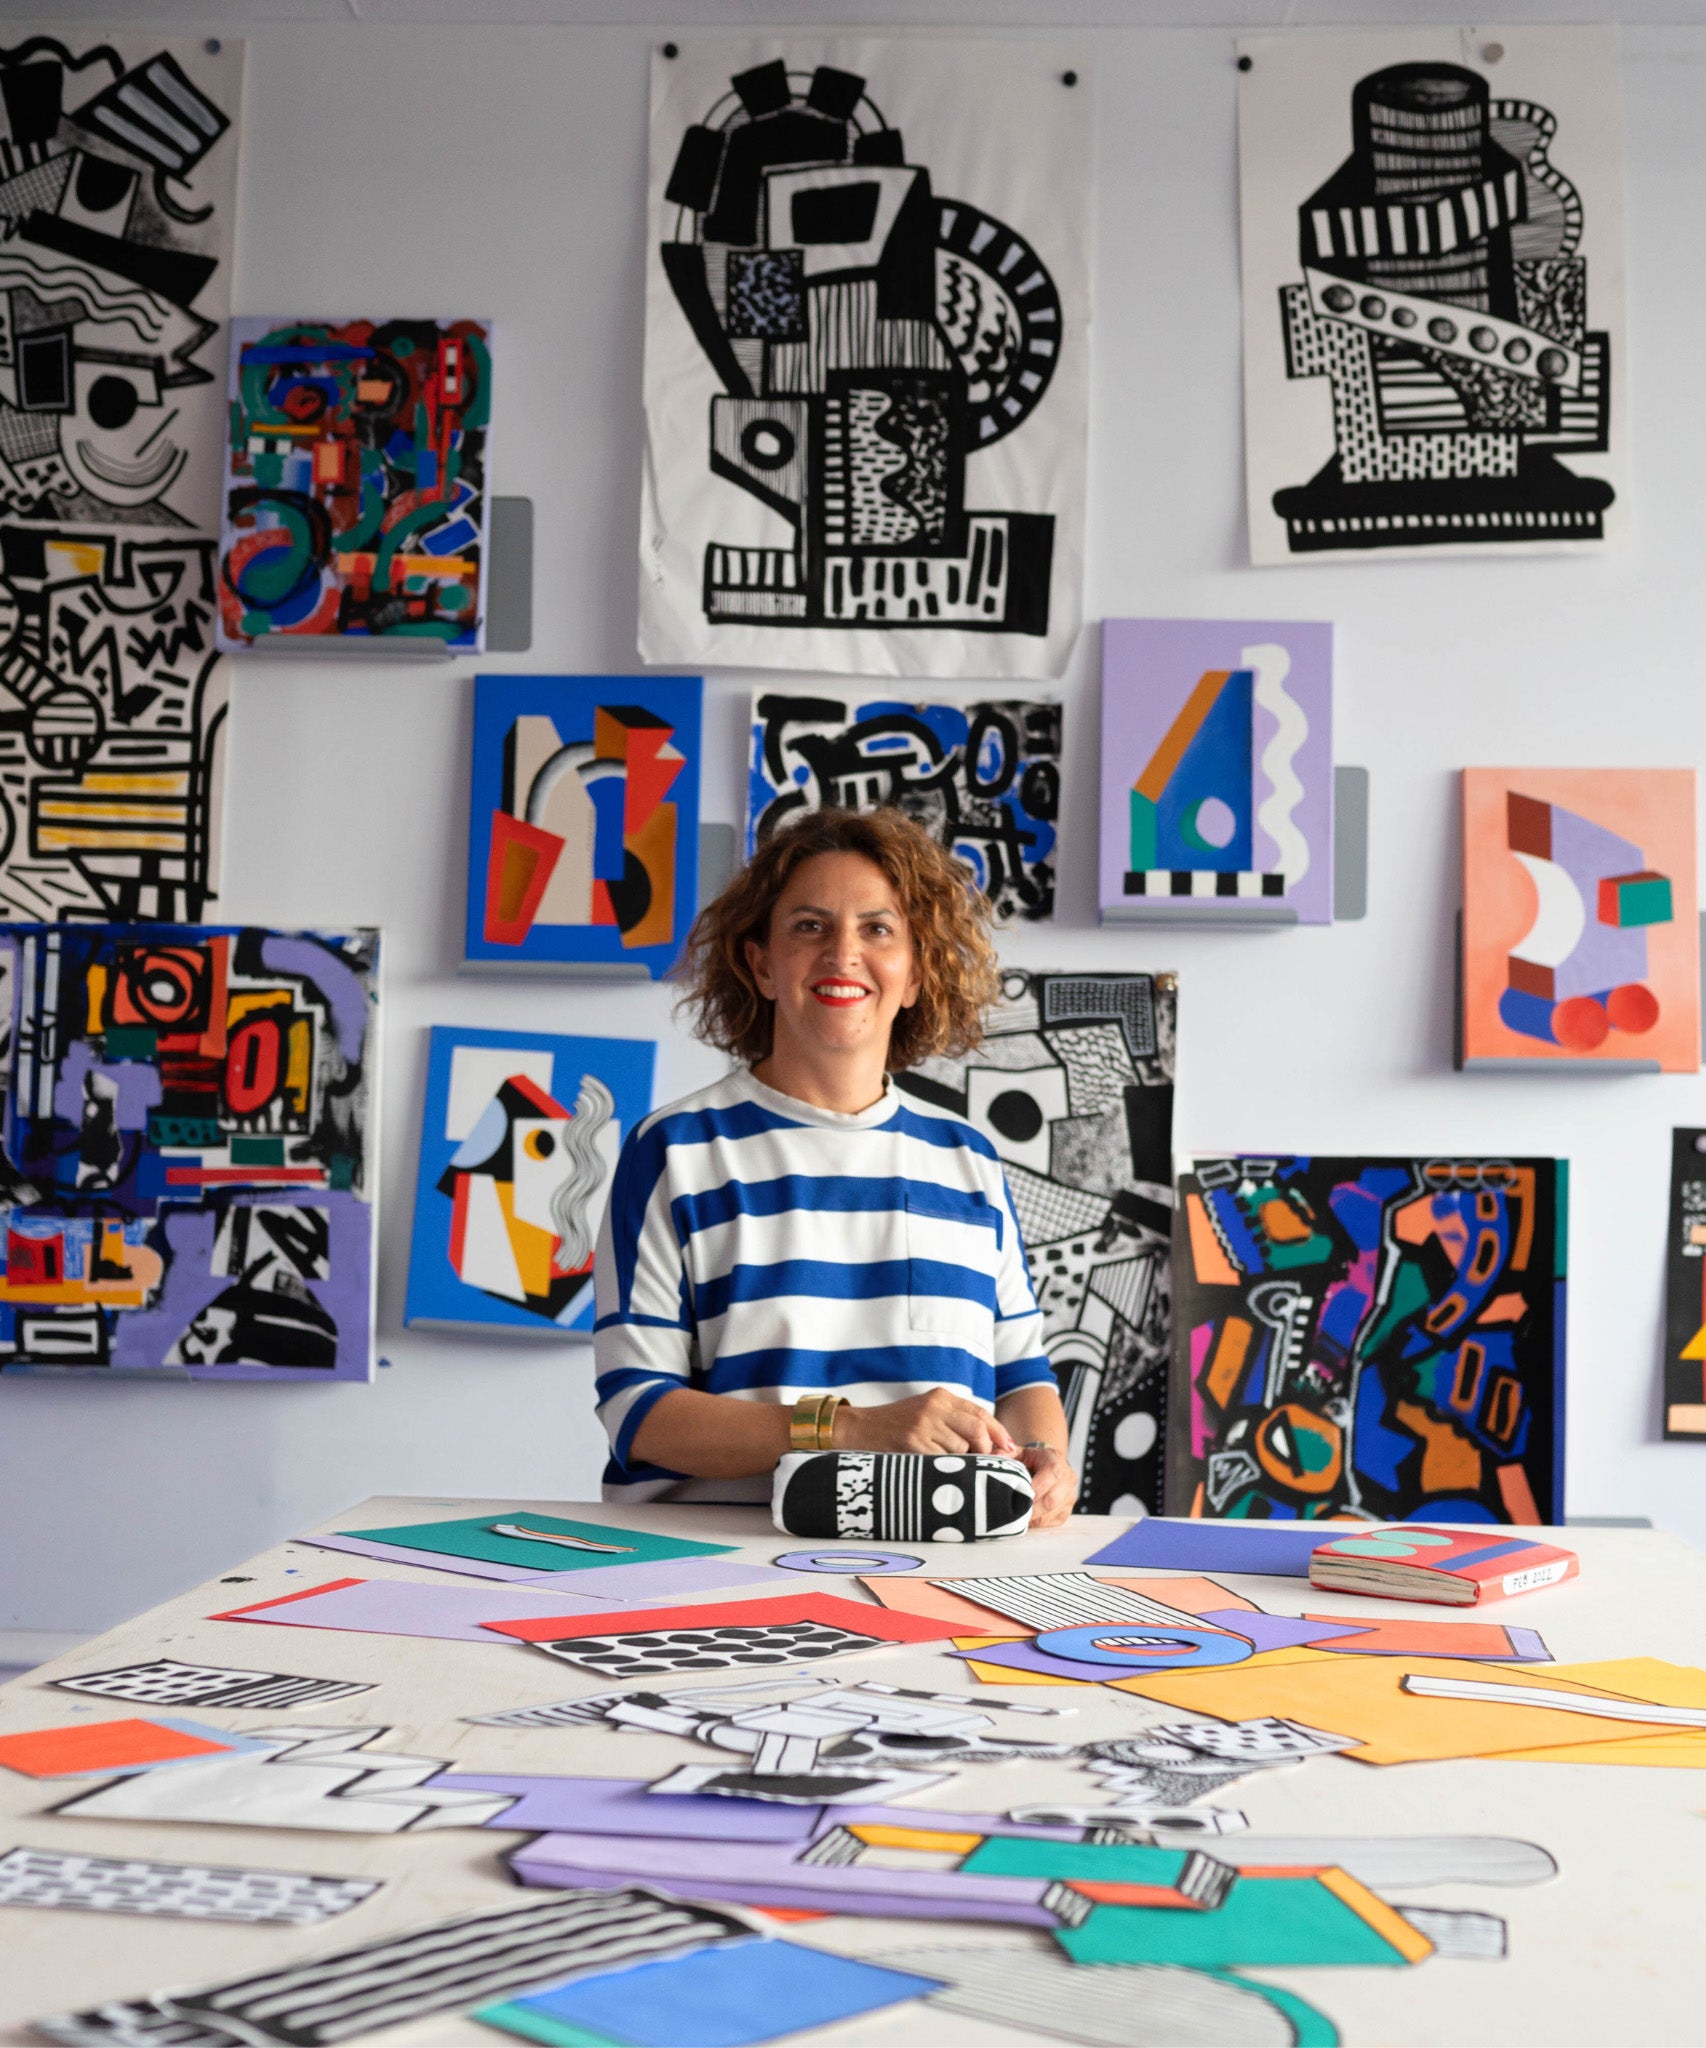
[757, 1246]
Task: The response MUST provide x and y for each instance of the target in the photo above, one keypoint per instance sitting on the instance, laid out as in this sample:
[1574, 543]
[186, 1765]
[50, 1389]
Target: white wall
[499, 170]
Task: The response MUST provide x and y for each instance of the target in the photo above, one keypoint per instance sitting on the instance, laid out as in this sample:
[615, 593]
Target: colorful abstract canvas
[983, 779]
[118, 199]
[519, 1139]
[186, 1180]
[1376, 1337]
[583, 841]
[356, 486]
[1073, 1086]
[1581, 931]
[1685, 1288]
[1217, 771]
[867, 346]
[1433, 257]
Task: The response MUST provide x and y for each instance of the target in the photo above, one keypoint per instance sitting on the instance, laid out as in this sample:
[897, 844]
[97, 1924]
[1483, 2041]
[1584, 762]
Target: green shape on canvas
[476, 1536]
[1094, 1862]
[1265, 1922]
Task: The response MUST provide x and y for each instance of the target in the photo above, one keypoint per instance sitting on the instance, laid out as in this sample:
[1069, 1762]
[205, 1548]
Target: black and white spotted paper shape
[901, 1496]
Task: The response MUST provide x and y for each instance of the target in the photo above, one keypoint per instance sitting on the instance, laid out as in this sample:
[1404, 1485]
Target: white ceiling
[659, 14]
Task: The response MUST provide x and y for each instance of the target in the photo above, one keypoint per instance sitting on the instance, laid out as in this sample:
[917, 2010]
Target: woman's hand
[938, 1421]
[1055, 1482]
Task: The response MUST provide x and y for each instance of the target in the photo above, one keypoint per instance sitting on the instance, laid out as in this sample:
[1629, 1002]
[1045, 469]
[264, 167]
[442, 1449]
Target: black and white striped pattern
[177, 1891]
[164, 1683]
[1067, 1600]
[450, 1966]
[1244, 883]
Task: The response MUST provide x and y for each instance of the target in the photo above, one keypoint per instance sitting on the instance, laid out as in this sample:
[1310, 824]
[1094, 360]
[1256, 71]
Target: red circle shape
[1580, 1024]
[1633, 1007]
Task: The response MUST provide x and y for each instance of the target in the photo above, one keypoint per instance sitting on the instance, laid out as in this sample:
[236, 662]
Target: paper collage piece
[175, 1891]
[86, 1748]
[1045, 1994]
[355, 495]
[1217, 771]
[541, 1543]
[112, 762]
[909, 1496]
[317, 2001]
[1433, 258]
[885, 323]
[800, 1736]
[1581, 926]
[1384, 1336]
[1374, 1700]
[982, 778]
[583, 833]
[1685, 1288]
[187, 1175]
[403, 1607]
[321, 1778]
[785, 1629]
[1073, 1086]
[735, 1992]
[165, 1683]
[118, 194]
[519, 1140]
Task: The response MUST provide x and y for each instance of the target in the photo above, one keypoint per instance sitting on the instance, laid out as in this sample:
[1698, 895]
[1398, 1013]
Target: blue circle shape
[869, 1564]
[1198, 1647]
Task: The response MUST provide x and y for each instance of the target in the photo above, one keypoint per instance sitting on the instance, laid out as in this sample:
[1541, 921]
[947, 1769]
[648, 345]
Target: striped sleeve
[643, 1343]
[1020, 1360]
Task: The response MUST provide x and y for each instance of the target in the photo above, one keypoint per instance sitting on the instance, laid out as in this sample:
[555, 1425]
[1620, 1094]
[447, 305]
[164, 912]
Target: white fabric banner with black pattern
[867, 331]
[1433, 292]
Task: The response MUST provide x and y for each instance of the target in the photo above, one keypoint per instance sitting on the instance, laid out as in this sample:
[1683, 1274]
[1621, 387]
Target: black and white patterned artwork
[901, 1496]
[175, 1891]
[165, 1683]
[1074, 1088]
[866, 346]
[645, 1653]
[118, 195]
[450, 1966]
[1433, 291]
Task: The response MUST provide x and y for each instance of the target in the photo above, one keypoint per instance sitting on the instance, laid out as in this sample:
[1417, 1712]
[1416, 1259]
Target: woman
[799, 1253]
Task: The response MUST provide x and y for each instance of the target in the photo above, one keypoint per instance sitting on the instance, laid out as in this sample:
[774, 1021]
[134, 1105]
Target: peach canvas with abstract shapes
[1581, 934]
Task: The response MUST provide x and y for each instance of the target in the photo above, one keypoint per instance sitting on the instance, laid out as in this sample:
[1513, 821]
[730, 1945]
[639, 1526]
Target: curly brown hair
[948, 917]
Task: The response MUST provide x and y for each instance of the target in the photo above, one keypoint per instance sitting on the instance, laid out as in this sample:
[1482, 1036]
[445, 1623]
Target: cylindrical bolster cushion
[901, 1496]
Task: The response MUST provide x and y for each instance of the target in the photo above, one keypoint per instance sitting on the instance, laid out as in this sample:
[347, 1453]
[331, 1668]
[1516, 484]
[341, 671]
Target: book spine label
[1536, 1575]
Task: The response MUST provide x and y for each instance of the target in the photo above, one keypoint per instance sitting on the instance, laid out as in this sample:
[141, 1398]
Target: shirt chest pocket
[952, 1256]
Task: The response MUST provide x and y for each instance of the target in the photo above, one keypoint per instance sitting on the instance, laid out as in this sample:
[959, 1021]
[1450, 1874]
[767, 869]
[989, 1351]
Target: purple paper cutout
[627, 1806]
[771, 1874]
[331, 977]
[1278, 1631]
[407, 1607]
[139, 1087]
[604, 1585]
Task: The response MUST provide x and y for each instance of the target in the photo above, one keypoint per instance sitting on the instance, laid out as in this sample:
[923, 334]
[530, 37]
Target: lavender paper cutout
[609, 1585]
[406, 1607]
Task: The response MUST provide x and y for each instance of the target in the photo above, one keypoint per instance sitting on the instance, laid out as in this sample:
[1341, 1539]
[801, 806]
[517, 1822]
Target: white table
[1607, 1952]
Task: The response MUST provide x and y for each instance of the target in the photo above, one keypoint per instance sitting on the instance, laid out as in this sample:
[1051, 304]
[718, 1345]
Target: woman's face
[838, 962]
